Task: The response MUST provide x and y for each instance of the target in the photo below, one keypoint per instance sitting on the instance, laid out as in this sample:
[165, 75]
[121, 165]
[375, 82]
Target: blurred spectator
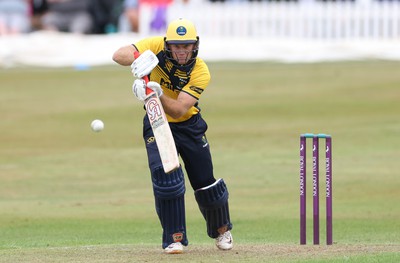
[14, 17]
[105, 14]
[158, 21]
[131, 12]
[158, 17]
[68, 16]
[38, 9]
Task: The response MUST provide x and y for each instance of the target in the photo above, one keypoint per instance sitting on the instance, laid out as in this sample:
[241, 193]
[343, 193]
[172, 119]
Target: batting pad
[213, 204]
[169, 190]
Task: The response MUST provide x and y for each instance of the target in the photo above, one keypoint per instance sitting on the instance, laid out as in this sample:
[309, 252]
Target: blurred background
[85, 33]
[70, 195]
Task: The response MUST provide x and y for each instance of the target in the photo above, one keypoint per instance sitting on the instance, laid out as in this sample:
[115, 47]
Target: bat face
[154, 111]
[161, 130]
[162, 133]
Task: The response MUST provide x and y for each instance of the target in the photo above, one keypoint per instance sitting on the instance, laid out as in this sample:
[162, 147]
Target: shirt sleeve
[155, 44]
[200, 78]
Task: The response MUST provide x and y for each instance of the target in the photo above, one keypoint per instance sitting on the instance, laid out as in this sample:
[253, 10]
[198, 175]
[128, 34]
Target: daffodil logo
[181, 30]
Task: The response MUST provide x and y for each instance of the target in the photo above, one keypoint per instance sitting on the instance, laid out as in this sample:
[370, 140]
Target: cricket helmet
[181, 31]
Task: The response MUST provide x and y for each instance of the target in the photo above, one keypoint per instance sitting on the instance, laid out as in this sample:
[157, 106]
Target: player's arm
[175, 108]
[124, 55]
[178, 107]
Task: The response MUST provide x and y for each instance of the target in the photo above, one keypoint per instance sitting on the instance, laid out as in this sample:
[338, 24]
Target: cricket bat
[161, 130]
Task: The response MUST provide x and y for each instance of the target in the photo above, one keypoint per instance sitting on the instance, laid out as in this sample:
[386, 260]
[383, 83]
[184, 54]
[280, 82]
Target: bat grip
[136, 54]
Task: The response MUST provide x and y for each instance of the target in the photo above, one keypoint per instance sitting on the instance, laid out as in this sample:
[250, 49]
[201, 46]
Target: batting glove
[144, 64]
[139, 89]
[155, 87]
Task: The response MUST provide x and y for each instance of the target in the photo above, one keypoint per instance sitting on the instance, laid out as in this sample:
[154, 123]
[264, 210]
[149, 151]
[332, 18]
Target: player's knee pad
[169, 190]
[213, 204]
[168, 186]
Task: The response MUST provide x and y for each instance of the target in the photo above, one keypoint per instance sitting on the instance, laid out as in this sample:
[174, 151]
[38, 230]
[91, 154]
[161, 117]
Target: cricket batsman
[179, 78]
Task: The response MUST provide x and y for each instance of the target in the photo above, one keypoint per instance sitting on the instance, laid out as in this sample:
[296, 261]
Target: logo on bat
[153, 110]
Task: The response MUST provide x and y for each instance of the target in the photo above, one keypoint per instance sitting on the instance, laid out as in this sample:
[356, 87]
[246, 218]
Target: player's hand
[144, 64]
[155, 87]
[139, 89]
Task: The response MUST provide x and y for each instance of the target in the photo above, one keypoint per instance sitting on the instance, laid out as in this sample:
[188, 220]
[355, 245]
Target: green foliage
[70, 195]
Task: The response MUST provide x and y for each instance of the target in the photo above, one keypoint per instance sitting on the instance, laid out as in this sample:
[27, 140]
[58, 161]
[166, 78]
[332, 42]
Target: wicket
[328, 170]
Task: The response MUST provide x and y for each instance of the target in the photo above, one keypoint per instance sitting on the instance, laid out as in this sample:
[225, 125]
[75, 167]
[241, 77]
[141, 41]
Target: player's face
[182, 52]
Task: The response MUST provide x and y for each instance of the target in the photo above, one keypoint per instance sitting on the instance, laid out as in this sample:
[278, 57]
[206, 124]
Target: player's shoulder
[201, 67]
[155, 44]
[200, 61]
[156, 39]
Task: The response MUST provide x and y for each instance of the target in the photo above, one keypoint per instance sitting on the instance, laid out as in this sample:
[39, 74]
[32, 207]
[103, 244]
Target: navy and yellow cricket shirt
[191, 79]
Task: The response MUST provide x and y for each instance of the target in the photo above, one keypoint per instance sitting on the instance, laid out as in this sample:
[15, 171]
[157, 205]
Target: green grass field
[68, 194]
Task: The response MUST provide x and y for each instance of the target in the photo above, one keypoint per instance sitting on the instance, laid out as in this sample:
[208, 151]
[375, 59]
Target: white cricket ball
[97, 125]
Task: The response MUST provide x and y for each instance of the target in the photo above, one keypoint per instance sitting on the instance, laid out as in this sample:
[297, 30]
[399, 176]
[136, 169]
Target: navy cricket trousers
[192, 145]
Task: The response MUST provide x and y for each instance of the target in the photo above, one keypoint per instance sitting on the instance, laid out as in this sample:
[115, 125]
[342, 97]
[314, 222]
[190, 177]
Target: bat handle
[136, 54]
